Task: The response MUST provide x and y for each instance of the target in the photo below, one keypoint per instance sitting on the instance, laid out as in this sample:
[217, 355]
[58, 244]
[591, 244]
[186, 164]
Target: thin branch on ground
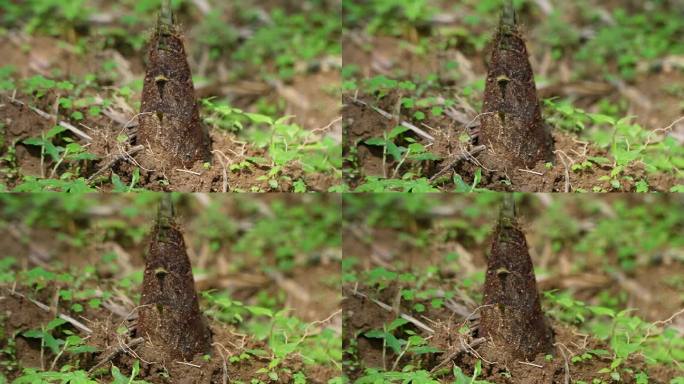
[50, 117]
[391, 117]
[188, 364]
[531, 364]
[388, 308]
[463, 156]
[457, 352]
[111, 355]
[115, 160]
[663, 322]
[221, 156]
[224, 377]
[566, 366]
[567, 171]
[82, 327]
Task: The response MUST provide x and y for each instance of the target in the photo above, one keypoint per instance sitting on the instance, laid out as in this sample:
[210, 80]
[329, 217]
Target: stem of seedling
[42, 353]
[54, 362]
[384, 157]
[54, 169]
[384, 349]
[42, 158]
[396, 362]
[396, 169]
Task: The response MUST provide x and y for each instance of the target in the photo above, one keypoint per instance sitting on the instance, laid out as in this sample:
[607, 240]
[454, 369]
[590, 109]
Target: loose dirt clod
[169, 316]
[512, 126]
[511, 315]
[170, 125]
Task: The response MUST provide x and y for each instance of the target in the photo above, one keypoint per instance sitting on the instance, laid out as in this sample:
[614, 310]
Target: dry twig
[457, 352]
[458, 159]
[388, 308]
[111, 355]
[115, 160]
[50, 117]
[82, 327]
[391, 117]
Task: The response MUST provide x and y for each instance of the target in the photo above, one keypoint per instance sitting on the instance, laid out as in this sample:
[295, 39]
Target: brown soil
[362, 315]
[655, 290]
[318, 280]
[20, 315]
[23, 123]
[362, 160]
[17, 316]
[646, 98]
[310, 97]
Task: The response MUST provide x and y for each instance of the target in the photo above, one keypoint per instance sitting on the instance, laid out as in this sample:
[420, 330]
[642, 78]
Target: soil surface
[307, 291]
[422, 54]
[412, 244]
[310, 97]
[361, 315]
[362, 123]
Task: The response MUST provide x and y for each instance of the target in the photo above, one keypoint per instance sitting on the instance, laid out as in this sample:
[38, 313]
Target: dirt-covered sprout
[511, 316]
[512, 127]
[170, 316]
[170, 125]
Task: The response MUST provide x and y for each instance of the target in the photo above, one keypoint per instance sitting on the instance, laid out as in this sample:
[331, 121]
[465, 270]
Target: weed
[628, 143]
[121, 379]
[286, 143]
[292, 37]
[406, 184]
[389, 16]
[633, 39]
[65, 375]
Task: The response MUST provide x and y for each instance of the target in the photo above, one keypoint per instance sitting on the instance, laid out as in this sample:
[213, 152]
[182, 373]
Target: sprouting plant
[462, 187]
[38, 86]
[119, 186]
[33, 184]
[461, 378]
[121, 379]
[627, 142]
[68, 154]
[6, 81]
[375, 376]
[286, 143]
[71, 344]
[65, 375]
[415, 151]
[292, 37]
[227, 310]
[632, 39]
[386, 334]
[390, 16]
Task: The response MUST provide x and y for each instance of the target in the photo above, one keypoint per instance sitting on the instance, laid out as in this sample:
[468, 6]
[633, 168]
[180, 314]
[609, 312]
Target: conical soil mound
[169, 315]
[511, 123]
[512, 317]
[170, 125]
